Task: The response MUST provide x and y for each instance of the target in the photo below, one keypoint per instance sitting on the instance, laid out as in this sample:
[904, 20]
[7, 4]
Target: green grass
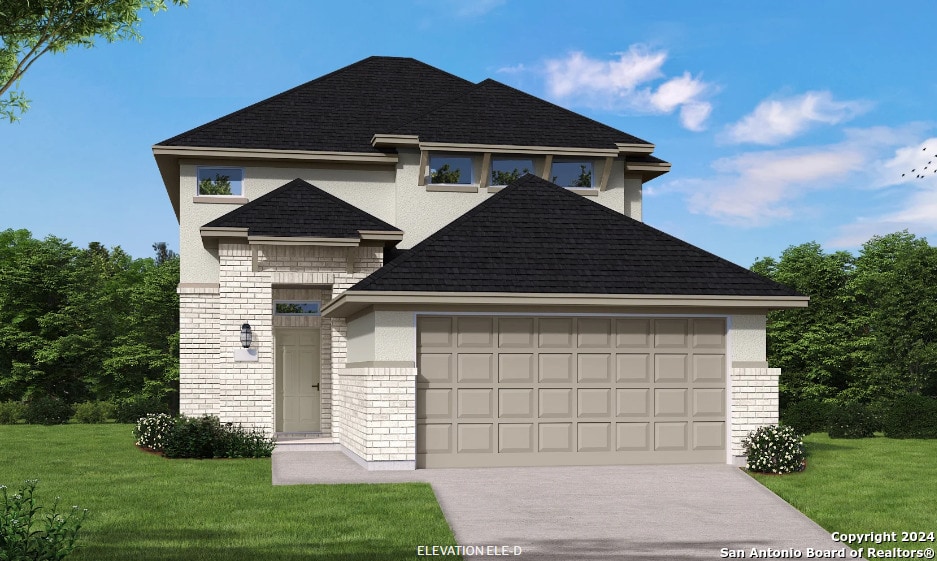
[865, 485]
[144, 507]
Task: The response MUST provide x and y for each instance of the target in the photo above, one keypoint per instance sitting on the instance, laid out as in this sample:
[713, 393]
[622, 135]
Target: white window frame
[316, 313]
[198, 171]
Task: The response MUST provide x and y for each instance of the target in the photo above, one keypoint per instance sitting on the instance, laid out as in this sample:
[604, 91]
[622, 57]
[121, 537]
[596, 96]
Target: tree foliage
[32, 28]
[221, 185]
[445, 175]
[85, 324]
[870, 331]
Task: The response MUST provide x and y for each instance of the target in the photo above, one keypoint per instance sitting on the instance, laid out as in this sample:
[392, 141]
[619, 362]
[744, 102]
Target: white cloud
[516, 69]
[625, 83]
[777, 120]
[758, 188]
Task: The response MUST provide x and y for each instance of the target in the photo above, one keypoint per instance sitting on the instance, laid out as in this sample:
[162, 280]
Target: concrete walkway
[609, 512]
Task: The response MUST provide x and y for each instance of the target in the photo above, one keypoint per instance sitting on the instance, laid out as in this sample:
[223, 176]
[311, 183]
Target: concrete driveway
[609, 512]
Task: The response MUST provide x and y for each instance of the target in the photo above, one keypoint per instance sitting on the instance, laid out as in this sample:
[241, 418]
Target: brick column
[754, 402]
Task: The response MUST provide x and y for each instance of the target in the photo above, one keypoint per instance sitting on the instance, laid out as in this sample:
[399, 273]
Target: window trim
[428, 178]
[198, 170]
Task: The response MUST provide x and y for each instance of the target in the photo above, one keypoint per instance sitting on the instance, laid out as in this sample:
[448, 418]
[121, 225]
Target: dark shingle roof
[299, 209]
[341, 111]
[535, 237]
[494, 113]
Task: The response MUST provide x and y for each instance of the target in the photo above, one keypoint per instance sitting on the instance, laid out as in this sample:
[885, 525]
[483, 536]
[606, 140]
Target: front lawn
[865, 485]
[144, 507]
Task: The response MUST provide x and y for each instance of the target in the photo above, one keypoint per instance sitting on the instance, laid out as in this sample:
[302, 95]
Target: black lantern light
[246, 335]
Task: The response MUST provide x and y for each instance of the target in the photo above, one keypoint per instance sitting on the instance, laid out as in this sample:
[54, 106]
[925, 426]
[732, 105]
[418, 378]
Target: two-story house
[433, 272]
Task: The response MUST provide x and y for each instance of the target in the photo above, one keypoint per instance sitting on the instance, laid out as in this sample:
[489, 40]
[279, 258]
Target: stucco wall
[749, 342]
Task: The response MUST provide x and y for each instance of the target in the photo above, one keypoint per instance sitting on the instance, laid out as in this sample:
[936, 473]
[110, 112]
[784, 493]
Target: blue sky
[783, 125]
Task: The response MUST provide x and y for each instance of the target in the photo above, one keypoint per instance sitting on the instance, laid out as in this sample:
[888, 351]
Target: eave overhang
[213, 233]
[168, 157]
[353, 301]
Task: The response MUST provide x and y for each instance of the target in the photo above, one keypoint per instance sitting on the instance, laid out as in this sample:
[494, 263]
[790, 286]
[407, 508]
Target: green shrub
[850, 420]
[12, 412]
[774, 449]
[28, 534]
[807, 416]
[47, 410]
[910, 416]
[207, 437]
[92, 412]
[132, 409]
[153, 431]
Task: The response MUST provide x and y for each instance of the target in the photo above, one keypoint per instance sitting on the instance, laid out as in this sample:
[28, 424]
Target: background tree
[221, 185]
[32, 28]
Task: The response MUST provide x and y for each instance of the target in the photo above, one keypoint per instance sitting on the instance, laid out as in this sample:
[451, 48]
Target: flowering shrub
[774, 449]
[153, 430]
[26, 534]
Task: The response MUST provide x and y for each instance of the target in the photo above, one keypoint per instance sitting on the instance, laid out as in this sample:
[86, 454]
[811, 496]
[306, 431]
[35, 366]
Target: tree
[584, 179]
[506, 177]
[445, 175]
[32, 28]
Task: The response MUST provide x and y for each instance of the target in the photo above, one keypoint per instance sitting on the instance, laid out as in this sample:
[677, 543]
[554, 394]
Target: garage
[507, 390]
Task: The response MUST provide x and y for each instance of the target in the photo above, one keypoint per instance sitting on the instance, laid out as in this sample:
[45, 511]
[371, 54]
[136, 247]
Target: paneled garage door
[514, 391]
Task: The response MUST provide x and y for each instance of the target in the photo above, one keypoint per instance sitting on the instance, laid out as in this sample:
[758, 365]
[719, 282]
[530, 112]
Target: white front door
[297, 366]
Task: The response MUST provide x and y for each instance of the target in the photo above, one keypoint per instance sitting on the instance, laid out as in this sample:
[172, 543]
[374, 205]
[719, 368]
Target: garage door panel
[709, 333]
[670, 402]
[670, 436]
[670, 368]
[516, 367]
[556, 333]
[595, 368]
[476, 368]
[670, 333]
[709, 402]
[709, 436]
[633, 436]
[633, 333]
[556, 437]
[556, 368]
[516, 403]
[476, 403]
[633, 402]
[476, 439]
[435, 367]
[709, 368]
[434, 439]
[435, 332]
[516, 438]
[594, 402]
[515, 391]
[595, 333]
[556, 403]
[594, 437]
[516, 333]
[474, 331]
[434, 403]
[633, 367]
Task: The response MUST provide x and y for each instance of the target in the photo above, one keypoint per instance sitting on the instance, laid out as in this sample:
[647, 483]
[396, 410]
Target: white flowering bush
[153, 431]
[29, 531]
[774, 449]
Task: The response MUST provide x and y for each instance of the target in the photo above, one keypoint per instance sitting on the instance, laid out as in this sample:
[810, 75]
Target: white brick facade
[754, 402]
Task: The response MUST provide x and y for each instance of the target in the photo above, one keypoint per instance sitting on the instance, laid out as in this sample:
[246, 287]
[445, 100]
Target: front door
[297, 381]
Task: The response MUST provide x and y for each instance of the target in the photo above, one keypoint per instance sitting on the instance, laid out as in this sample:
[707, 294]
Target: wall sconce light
[246, 335]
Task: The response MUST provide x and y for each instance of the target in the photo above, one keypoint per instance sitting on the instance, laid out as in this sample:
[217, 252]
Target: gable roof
[536, 237]
[343, 110]
[299, 209]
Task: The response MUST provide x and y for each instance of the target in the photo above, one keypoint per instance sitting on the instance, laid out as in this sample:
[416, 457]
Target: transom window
[220, 181]
[576, 174]
[450, 170]
[295, 308]
[508, 170]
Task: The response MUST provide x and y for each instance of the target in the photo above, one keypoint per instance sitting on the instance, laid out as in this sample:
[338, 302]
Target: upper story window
[220, 181]
[508, 170]
[450, 170]
[295, 308]
[576, 174]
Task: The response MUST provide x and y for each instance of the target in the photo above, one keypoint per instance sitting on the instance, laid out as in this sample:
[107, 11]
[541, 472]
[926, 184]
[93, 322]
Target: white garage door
[516, 391]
